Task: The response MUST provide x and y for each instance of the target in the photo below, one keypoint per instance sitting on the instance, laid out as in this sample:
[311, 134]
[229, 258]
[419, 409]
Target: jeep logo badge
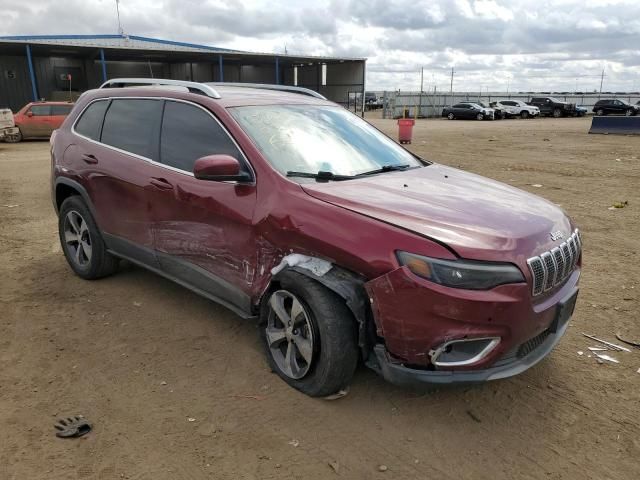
[556, 235]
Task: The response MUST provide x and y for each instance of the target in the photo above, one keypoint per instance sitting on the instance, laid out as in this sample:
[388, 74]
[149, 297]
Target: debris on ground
[474, 416]
[137, 304]
[536, 185]
[11, 205]
[606, 357]
[634, 343]
[382, 468]
[252, 397]
[611, 346]
[580, 352]
[619, 205]
[335, 466]
[294, 443]
[337, 395]
[72, 427]
[191, 419]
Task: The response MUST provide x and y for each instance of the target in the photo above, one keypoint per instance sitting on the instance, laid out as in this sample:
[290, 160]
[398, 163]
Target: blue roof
[115, 36]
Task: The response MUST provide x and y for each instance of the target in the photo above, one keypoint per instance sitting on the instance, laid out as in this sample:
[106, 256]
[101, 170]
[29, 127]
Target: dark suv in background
[550, 106]
[287, 208]
[615, 107]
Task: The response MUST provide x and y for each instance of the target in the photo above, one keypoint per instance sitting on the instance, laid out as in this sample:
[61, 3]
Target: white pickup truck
[7, 125]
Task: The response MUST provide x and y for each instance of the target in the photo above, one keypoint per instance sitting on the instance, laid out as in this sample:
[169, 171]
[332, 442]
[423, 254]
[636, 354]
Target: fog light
[466, 351]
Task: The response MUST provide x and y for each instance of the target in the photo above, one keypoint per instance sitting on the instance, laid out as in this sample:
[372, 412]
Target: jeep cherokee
[285, 207]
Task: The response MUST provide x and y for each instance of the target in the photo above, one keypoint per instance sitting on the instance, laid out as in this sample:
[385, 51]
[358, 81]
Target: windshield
[312, 138]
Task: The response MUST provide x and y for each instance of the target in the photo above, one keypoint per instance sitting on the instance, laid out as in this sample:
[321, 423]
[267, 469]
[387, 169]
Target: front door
[35, 122]
[203, 230]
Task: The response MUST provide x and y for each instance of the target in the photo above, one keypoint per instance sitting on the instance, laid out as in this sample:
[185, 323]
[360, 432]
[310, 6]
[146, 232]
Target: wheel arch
[350, 287]
[66, 187]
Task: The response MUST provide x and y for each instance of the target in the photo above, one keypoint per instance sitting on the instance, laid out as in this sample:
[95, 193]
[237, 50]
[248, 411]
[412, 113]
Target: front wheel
[600, 112]
[480, 116]
[451, 116]
[309, 336]
[524, 114]
[628, 113]
[557, 113]
[81, 241]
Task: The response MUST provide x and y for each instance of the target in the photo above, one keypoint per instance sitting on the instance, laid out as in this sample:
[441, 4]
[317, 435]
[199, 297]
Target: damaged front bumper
[398, 374]
[415, 320]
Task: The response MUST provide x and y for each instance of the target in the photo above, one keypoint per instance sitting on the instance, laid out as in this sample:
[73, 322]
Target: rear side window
[61, 109]
[41, 110]
[90, 123]
[460, 105]
[132, 126]
[188, 133]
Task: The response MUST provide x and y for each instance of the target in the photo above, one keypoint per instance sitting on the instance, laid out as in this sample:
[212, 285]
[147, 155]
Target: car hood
[477, 217]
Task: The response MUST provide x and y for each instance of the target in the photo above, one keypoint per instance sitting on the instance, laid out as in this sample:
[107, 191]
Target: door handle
[160, 183]
[89, 158]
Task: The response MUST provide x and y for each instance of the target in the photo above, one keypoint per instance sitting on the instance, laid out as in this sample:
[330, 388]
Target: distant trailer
[615, 125]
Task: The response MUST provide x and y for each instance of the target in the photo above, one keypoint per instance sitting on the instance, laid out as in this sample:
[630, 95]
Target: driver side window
[188, 133]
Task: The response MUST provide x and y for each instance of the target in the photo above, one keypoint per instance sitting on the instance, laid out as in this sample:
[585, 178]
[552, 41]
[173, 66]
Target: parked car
[39, 119]
[551, 106]
[498, 111]
[467, 110]
[294, 211]
[518, 108]
[7, 125]
[581, 111]
[613, 106]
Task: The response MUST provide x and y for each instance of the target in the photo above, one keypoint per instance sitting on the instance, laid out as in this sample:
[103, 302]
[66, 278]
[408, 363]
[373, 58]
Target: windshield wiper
[385, 168]
[320, 176]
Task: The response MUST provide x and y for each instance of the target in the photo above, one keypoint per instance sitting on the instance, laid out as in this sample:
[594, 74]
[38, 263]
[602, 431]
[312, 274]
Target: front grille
[553, 267]
[530, 345]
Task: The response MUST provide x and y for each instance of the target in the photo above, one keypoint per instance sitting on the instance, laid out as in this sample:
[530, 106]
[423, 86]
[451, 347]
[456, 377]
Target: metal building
[60, 67]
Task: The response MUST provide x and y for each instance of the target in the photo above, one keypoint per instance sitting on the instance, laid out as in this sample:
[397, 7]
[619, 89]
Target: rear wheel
[309, 336]
[14, 138]
[557, 113]
[451, 116]
[524, 114]
[81, 241]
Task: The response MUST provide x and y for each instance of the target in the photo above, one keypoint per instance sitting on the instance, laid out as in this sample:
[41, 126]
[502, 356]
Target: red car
[39, 119]
[287, 208]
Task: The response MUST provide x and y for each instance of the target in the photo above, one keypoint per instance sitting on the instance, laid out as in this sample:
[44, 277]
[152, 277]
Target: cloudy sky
[491, 44]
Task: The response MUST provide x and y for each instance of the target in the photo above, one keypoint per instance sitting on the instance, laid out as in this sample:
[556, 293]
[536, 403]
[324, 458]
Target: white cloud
[529, 44]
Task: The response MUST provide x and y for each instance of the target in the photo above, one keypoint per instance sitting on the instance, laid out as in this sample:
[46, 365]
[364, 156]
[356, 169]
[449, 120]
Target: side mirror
[29, 113]
[219, 168]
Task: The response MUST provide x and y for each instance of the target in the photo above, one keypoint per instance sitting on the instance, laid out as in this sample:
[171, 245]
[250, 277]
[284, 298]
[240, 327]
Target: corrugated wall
[14, 92]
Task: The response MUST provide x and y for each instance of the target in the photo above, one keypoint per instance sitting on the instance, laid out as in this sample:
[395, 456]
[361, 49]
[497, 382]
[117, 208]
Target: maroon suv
[287, 208]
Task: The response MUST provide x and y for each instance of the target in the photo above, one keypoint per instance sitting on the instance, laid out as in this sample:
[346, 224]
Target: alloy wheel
[289, 334]
[77, 238]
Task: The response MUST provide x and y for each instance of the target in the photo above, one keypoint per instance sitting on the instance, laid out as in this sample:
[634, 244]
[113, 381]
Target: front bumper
[511, 365]
[7, 132]
[415, 317]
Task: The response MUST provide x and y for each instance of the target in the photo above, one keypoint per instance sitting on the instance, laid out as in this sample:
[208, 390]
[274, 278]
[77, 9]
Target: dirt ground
[105, 349]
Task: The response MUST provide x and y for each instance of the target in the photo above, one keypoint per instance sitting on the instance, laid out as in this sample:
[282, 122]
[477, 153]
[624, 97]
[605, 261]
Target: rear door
[203, 229]
[117, 168]
[58, 114]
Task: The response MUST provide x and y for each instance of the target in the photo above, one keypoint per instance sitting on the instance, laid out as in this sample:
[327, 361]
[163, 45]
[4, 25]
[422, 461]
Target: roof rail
[269, 86]
[195, 87]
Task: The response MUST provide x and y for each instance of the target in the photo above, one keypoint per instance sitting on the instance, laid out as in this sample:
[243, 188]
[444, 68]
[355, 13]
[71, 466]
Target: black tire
[600, 112]
[451, 116]
[14, 138]
[557, 113]
[480, 116]
[331, 327]
[629, 113]
[524, 114]
[98, 262]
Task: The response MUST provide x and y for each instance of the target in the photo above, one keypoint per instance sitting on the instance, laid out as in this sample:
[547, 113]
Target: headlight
[467, 274]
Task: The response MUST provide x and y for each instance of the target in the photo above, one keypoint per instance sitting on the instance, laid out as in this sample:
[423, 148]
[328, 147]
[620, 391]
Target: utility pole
[421, 79]
[601, 80]
[451, 87]
[120, 29]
